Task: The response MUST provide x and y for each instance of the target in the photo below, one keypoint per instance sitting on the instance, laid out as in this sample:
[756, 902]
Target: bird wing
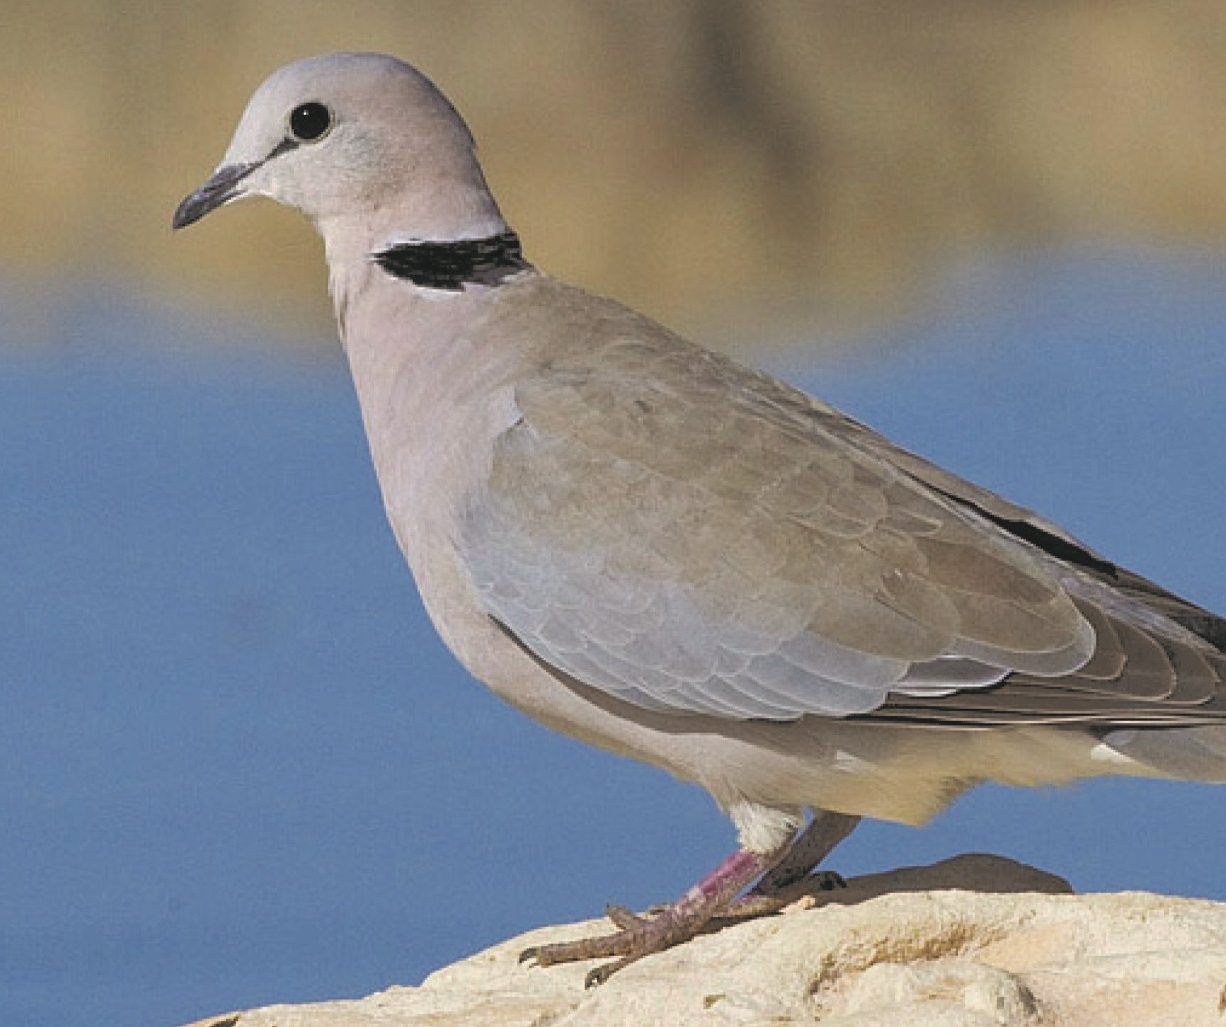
[1158, 659]
[694, 537]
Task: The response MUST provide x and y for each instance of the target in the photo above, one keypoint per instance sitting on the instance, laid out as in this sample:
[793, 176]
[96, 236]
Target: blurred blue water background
[237, 767]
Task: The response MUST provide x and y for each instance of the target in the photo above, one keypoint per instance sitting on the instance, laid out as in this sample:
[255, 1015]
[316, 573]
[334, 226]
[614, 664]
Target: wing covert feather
[678, 535]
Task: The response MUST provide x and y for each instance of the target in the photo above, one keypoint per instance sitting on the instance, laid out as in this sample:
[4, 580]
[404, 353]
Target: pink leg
[715, 895]
[640, 936]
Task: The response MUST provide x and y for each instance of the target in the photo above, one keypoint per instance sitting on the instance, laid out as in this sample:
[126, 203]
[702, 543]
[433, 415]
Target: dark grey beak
[217, 191]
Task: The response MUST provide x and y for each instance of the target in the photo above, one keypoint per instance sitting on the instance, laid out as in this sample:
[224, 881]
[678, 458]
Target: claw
[600, 974]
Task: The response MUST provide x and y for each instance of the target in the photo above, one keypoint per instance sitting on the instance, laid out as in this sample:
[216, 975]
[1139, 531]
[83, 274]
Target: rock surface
[1015, 947]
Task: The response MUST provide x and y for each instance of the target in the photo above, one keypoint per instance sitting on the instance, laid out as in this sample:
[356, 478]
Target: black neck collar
[452, 265]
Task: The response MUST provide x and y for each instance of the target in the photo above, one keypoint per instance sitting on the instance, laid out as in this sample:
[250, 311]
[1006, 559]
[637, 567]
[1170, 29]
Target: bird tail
[1186, 753]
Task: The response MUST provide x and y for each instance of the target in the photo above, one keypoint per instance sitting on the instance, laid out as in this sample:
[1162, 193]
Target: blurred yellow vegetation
[706, 160]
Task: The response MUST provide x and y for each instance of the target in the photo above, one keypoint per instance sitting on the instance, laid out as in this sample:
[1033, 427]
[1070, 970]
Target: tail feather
[1186, 753]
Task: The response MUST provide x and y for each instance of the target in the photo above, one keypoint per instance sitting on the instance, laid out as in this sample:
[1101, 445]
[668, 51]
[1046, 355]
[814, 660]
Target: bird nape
[661, 552]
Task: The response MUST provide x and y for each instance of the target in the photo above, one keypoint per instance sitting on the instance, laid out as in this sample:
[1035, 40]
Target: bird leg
[714, 896]
[803, 856]
[639, 936]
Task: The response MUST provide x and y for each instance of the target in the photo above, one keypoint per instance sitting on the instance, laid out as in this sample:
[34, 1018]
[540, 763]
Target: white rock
[892, 949]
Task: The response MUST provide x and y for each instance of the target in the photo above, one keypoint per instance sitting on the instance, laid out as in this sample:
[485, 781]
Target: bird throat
[452, 265]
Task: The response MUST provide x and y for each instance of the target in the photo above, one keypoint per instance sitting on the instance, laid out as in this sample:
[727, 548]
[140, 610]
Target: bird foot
[714, 897]
[636, 937]
[639, 936]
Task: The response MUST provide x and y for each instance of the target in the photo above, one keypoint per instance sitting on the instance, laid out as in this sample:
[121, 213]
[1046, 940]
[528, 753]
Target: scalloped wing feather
[691, 536]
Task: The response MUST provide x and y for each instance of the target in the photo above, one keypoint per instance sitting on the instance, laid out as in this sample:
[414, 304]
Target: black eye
[310, 121]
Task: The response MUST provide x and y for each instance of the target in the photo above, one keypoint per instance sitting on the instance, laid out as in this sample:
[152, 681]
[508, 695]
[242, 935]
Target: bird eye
[310, 121]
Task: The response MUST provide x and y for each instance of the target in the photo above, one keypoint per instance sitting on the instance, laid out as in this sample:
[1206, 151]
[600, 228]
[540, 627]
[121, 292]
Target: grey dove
[647, 546]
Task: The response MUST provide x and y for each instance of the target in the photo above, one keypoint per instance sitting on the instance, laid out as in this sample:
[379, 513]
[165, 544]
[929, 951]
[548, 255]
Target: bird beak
[219, 190]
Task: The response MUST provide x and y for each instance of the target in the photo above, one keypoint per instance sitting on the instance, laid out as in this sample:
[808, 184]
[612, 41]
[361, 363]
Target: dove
[652, 548]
